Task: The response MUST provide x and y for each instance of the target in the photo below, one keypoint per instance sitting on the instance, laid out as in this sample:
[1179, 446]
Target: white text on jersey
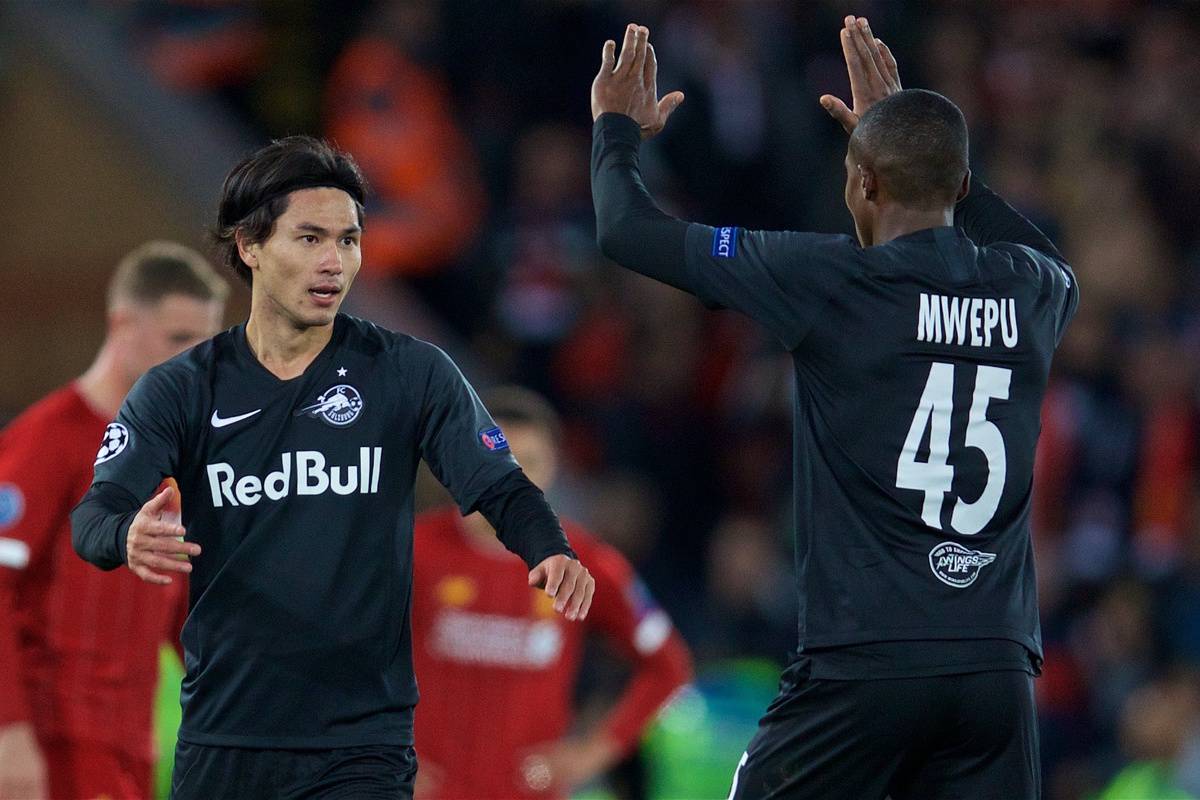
[966, 320]
[311, 478]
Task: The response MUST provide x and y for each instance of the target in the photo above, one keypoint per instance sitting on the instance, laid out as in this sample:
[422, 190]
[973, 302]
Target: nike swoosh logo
[219, 422]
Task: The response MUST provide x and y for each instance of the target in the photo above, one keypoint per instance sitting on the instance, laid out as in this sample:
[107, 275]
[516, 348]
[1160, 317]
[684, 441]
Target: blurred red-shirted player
[496, 667]
[79, 647]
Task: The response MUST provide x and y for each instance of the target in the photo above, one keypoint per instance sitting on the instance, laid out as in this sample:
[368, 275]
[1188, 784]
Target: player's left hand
[568, 582]
[630, 86]
[873, 73]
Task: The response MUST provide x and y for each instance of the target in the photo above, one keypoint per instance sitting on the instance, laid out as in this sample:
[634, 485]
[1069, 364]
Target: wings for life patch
[116, 439]
[725, 242]
[12, 505]
[958, 566]
[338, 405]
[493, 439]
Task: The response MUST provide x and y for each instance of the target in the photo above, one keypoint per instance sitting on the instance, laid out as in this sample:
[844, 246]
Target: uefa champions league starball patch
[116, 439]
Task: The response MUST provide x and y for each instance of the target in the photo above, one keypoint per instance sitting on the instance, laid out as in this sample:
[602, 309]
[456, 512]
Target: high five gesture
[630, 85]
[873, 73]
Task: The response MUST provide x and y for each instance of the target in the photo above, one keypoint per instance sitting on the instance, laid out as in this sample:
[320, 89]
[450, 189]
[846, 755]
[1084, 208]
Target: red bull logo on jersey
[303, 472]
[958, 566]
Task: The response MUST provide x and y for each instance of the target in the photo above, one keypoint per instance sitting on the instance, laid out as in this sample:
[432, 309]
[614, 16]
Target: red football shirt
[496, 666]
[78, 646]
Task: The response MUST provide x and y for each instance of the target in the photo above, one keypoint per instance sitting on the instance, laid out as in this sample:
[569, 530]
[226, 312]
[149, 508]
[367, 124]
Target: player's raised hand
[568, 582]
[873, 73]
[630, 85]
[153, 544]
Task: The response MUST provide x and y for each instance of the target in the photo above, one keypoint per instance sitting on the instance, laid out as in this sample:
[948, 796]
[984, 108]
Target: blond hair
[160, 268]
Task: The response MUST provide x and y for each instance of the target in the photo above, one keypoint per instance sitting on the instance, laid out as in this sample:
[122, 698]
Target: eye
[349, 241]
[309, 238]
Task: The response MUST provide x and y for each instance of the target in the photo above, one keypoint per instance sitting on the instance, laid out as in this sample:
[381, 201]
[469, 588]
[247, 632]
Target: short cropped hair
[916, 141]
[157, 269]
[516, 405]
[255, 192]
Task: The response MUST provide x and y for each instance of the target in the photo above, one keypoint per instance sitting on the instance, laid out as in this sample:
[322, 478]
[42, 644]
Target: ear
[246, 249]
[965, 188]
[869, 182]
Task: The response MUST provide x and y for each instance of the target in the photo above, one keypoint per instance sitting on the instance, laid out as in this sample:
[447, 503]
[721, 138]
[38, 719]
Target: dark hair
[255, 192]
[520, 406]
[159, 268]
[916, 141]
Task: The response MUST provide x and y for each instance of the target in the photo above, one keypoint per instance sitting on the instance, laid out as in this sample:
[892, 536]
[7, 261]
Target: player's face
[534, 448]
[151, 334]
[304, 269]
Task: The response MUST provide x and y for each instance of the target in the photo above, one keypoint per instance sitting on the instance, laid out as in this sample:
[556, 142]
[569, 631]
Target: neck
[895, 221]
[481, 532]
[105, 384]
[280, 345]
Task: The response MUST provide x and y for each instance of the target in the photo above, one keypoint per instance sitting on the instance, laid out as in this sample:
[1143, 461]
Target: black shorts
[951, 736]
[214, 773]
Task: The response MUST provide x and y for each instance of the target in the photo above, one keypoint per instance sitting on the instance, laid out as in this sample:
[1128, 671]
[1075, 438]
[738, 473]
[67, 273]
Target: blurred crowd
[471, 121]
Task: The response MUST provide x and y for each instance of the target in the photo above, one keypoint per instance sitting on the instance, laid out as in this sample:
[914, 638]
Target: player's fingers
[640, 46]
[871, 77]
[171, 545]
[537, 576]
[570, 579]
[892, 72]
[650, 71]
[840, 112]
[579, 594]
[625, 62]
[868, 40]
[590, 592]
[555, 571]
[608, 57]
[149, 576]
[668, 105]
[160, 527]
[159, 501]
[159, 563]
[854, 65]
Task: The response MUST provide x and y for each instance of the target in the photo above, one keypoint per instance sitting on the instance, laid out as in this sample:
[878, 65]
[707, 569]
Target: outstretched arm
[630, 228]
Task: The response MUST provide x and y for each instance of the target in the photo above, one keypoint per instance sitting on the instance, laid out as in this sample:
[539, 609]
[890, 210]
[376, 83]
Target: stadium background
[119, 118]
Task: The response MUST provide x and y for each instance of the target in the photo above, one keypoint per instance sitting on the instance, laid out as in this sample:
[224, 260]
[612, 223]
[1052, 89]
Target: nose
[331, 259]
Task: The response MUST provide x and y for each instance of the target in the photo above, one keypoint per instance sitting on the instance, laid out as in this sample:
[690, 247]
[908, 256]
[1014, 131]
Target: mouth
[324, 294]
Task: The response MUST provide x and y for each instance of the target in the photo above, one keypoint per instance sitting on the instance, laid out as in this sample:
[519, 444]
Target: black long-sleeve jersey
[920, 368]
[300, 493]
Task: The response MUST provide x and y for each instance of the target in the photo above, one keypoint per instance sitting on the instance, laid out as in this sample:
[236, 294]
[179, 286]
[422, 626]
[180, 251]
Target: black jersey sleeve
[989, 221]
[139, 449]
[100, 524]
[461, 443]
[142, 446]
[781, 279]
[523, 519]
[630, 228]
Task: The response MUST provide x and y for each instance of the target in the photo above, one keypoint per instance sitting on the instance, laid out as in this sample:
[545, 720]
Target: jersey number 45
[936, 476]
